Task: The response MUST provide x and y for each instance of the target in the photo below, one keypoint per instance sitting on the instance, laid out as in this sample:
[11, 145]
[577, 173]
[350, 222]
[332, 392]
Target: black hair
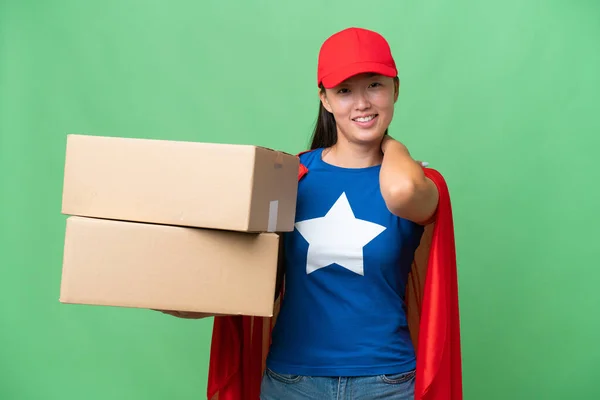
[325, 132]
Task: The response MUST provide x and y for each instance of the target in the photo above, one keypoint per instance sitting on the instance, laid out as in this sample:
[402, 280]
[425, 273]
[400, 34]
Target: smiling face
[363, 107]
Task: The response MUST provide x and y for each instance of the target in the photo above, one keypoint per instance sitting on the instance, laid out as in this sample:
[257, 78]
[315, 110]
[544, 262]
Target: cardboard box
[219, 186]
[130, 264]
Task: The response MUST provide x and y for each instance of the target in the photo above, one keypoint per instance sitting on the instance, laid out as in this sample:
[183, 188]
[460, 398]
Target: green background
[502, 97]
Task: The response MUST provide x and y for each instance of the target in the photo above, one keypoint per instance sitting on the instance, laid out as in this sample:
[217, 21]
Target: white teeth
[365, 119]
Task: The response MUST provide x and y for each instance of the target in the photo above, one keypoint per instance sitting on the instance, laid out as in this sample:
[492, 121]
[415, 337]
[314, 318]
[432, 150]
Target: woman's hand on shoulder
[408, 193]
[390, 141]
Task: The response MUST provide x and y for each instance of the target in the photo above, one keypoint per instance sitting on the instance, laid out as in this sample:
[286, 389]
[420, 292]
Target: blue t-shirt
[347, 265]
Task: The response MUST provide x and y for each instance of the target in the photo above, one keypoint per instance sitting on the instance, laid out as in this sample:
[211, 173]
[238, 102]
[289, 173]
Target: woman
[342, 331]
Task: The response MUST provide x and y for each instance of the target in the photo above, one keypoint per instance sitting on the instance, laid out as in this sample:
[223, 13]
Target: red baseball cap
[351, 52]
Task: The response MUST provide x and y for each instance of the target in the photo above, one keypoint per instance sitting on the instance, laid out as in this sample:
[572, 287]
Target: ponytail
[325, 133]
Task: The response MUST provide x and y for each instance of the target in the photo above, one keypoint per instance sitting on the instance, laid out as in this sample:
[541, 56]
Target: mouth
[365, 119]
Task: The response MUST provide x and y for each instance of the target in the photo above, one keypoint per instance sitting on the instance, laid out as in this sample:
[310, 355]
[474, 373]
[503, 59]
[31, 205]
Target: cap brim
[339, 76]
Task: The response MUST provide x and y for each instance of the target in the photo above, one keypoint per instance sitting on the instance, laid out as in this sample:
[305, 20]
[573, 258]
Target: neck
[353, 155]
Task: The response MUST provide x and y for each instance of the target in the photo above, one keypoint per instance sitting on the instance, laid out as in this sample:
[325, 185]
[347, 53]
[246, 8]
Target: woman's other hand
[185, 314]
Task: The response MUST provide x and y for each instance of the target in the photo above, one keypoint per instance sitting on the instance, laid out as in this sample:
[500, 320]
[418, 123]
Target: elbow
[411, 199]
[399, 194]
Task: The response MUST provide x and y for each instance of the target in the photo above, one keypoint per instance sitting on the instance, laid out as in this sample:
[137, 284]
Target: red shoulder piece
[302, 169]
[303, 152]
[240, 344]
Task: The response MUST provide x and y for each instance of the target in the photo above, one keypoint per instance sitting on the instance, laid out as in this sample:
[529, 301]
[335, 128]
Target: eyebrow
[369, 75]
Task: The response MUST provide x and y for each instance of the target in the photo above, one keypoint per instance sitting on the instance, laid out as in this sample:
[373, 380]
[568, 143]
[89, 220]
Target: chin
[363, 137]
[369, 137]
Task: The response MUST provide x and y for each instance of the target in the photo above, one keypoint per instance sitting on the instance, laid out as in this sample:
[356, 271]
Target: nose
[361, 101]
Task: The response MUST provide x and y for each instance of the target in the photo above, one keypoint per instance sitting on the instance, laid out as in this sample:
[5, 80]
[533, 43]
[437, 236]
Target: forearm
[407, 192]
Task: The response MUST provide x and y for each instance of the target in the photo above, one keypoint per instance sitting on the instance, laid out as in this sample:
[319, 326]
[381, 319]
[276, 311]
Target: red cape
[240, 344]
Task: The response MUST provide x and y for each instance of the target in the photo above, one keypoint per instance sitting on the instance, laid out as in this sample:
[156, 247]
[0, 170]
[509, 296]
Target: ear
[323, 97]
[396, 89]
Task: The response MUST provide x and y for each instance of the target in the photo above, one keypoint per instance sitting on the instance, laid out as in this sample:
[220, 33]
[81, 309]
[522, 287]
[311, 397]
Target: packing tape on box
[279, 160]
[273, 211]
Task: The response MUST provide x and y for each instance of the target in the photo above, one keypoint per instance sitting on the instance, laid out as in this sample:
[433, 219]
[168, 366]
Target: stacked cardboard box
[175, 225]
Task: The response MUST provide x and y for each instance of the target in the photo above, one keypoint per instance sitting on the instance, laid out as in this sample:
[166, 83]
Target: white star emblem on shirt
[337, 238]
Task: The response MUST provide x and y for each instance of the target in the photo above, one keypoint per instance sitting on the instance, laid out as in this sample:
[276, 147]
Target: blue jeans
[277, 386]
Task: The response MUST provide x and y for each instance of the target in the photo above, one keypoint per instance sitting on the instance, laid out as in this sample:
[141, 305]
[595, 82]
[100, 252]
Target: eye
[343, 91]
[375, 84]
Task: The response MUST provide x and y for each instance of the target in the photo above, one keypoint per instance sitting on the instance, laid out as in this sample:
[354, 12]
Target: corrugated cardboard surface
[268, 187]
[206, 185]
[130, 264]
